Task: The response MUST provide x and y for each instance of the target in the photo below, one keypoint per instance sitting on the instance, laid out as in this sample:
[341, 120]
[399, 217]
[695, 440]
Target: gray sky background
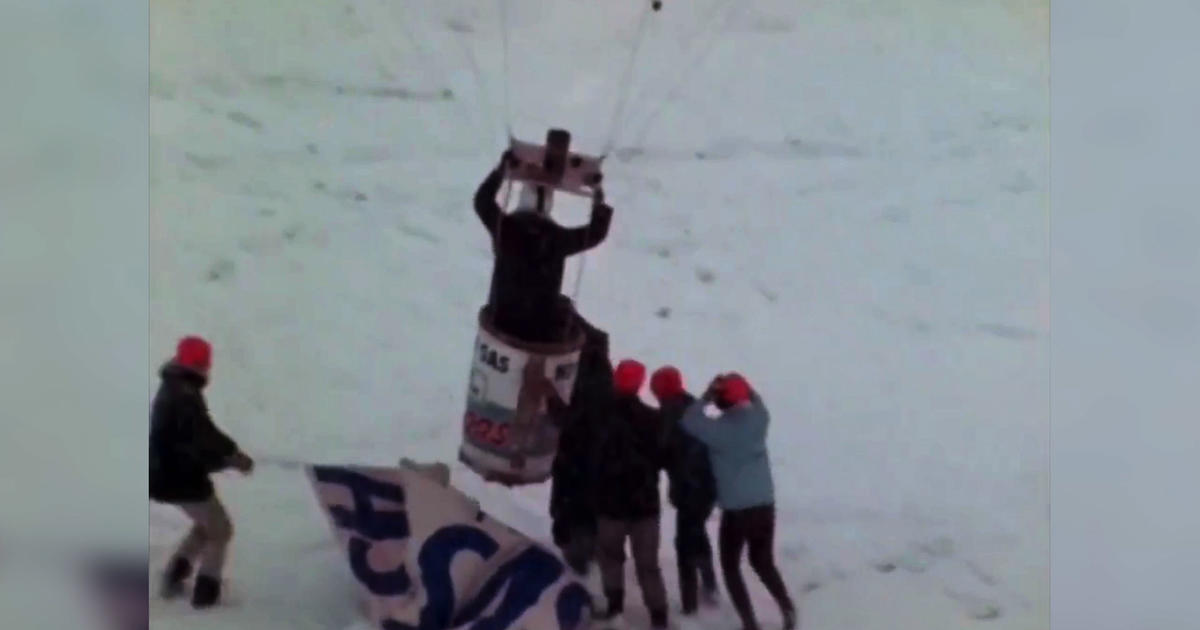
[1125, 230]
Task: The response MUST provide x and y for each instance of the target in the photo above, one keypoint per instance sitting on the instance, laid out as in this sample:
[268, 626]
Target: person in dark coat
[737, 446]
[627, 496]
[185, 448]
[525, 297]
[693, 490]
[572, 481]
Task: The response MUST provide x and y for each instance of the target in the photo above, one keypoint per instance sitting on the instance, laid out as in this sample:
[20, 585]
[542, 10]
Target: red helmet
[628, 377]
[666, 382]
[732, 389]
[194, 352]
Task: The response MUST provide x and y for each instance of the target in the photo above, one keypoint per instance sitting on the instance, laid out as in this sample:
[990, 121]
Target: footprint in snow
[981, 574]
[976, 607]
[244, 120]
[940, 547]
[220, 270]
[919, 557]
[459, 26]
[418, 232]
[1005, 331]
[367, 154]
[206, 162]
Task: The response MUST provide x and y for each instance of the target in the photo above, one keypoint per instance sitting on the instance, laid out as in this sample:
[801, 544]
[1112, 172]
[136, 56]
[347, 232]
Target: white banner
[429, 559]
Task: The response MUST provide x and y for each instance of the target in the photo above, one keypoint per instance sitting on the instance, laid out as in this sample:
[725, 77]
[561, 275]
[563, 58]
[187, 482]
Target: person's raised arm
[698, 425]
[580, 239]
[486, 208]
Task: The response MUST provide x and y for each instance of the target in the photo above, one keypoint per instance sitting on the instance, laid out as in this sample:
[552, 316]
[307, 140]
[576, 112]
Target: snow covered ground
[846, 201]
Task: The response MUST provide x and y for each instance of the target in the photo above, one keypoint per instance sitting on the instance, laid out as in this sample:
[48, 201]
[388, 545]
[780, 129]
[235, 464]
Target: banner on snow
[428, 559]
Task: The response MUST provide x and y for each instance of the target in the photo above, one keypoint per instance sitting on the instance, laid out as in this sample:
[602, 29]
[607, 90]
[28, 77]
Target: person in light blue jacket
[737, 447]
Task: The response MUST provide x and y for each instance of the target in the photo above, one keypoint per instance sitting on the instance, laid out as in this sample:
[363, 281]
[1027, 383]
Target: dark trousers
[643, 535]
[694, 555]
[576, 539]
[753, 528]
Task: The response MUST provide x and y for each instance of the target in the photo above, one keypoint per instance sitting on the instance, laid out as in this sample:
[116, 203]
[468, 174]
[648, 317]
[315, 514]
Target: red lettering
[481, 429]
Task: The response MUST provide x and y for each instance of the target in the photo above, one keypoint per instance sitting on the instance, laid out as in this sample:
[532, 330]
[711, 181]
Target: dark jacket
[185, 445]
[573, 475]
[693, 488]
[630, 459]
[531, 252]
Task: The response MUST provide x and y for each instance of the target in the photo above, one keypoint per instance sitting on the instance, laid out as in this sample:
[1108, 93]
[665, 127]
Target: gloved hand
[714, 388]
[508, 160]
[242, 463]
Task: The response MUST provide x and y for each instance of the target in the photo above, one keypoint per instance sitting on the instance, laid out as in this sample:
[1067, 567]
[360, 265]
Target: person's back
[527, 279]
[689, 471]
[692, 490]
[582, 420]
[525, 294]
[737, 448]
[185, 446]
[573, 472]
[630, 461]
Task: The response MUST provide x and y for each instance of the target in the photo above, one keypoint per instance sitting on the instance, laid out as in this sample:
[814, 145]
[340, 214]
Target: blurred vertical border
[74, 298]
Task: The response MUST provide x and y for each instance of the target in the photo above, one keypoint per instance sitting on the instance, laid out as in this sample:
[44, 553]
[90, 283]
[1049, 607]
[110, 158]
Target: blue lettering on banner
[527, 575]
[371, 525]
[571, 605]
[435, 558]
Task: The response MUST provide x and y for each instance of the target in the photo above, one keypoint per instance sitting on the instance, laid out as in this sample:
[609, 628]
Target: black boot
[616, 605]
[688, 591]
[658, 619]
[173, 578]
[206, 592]
[688, 583]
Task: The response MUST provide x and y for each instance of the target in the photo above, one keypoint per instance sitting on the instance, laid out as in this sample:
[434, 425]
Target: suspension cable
[508, 126]
[732, 9]
[626, 82]
[427, 61]
[473, 62]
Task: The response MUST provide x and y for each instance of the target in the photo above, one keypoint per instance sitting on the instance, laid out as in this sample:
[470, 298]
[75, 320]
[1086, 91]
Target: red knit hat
[666, 382]
[629, 376]
[194, 352]
[733, 389]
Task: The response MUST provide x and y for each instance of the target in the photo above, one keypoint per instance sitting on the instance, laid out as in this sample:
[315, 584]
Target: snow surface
[846, 201]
